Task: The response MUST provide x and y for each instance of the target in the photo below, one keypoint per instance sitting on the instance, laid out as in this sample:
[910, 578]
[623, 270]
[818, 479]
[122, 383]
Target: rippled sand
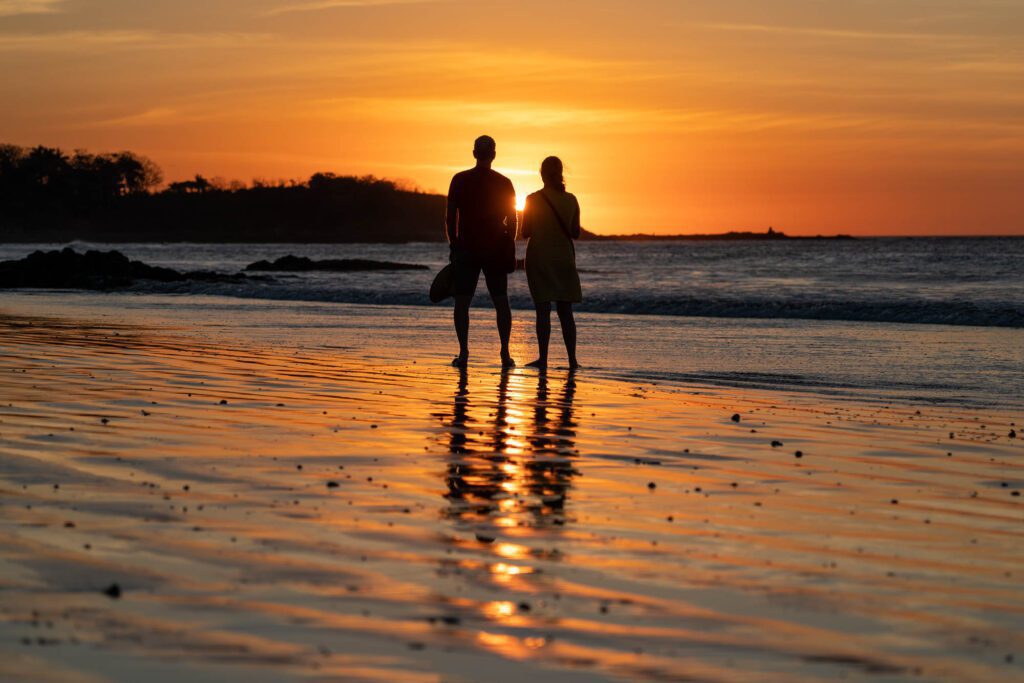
[276, 514]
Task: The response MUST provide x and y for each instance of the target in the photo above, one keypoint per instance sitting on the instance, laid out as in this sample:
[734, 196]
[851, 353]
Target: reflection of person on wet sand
[493, 478]
[551, 443]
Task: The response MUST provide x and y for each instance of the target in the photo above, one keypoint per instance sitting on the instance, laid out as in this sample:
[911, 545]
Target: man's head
[484, 149]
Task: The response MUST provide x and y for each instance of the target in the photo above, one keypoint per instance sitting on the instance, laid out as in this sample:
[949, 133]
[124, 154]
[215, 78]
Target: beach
[280, 491]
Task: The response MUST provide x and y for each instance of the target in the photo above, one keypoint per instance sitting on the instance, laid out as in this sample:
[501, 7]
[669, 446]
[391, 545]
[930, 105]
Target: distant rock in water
[301, 263]
[91, 270]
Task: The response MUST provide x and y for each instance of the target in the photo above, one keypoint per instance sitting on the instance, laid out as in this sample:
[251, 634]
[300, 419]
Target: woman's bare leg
[543, 335]
[568, 322]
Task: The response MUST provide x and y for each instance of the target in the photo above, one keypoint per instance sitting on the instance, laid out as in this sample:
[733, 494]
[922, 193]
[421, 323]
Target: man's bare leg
[462, 302]
[543, 335]
[503, 312]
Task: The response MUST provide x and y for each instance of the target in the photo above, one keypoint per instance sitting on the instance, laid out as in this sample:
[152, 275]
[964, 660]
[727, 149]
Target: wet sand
[281, 513]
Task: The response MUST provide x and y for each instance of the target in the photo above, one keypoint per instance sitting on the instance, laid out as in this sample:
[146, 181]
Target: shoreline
[593, 237]
[861, 360]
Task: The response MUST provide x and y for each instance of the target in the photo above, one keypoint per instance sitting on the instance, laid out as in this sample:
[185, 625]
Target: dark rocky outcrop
[92, 270]
[294, 264]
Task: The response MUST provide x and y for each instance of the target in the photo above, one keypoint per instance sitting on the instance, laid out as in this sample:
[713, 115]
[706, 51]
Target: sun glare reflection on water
[510, 466]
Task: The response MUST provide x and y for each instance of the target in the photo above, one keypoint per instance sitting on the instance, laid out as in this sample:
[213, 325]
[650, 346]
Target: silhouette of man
[480, 220]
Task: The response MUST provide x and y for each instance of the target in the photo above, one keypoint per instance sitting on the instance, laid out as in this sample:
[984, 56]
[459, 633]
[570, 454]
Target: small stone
[776, 444]
[651, 485]
[735, 417]
[485, 539]
[112, 591]
[798, 454]
[332, 484]
[1012, 434]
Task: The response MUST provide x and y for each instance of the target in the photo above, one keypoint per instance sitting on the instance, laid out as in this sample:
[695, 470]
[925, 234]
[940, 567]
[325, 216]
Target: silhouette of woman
[551, 221]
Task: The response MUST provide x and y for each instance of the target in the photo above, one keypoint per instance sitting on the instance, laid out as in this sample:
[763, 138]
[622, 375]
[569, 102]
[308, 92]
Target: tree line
[49, 195]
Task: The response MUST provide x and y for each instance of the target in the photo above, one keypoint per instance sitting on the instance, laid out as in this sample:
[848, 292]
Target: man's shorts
[467, 275]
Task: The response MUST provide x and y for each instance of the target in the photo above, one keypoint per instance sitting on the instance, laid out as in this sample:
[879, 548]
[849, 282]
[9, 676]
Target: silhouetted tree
[198, 185]
[48, 195]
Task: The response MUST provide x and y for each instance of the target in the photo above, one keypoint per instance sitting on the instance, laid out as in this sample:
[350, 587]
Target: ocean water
[971, 281]
[914, 320]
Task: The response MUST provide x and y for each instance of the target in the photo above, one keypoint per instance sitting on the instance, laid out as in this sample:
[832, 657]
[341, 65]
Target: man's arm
[451, 219]
[511, 215]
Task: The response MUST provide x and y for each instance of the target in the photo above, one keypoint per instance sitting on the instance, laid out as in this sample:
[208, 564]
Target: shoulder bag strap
[565, 228]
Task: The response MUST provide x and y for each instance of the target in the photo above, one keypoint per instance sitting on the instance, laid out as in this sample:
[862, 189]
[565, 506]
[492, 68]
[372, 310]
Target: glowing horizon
[861, 118]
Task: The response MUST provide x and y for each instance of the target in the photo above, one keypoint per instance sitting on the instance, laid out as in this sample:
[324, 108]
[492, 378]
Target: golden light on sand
[512, 551]
[600, 576]
[499, 609]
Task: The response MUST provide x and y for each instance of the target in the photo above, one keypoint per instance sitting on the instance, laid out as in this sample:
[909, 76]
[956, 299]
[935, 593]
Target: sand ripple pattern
[291, 514]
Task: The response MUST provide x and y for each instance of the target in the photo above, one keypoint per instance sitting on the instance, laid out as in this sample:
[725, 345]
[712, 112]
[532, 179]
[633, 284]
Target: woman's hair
[551, 172]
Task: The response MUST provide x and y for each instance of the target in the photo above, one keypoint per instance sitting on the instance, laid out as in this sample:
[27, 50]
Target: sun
[520, 201]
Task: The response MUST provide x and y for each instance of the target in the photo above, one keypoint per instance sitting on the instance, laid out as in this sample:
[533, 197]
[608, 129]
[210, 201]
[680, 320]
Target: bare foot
[507, 362]
[540, 364]
[460, 361]
[574, 365]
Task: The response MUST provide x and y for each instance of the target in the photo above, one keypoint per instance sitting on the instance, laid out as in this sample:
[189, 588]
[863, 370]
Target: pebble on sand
[798, 454]
[332, 484]
[485, 539]
[776, 444]
[736, 417]
[112, 591]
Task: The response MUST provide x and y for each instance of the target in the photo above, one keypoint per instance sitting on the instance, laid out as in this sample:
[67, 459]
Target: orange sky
[859, 116]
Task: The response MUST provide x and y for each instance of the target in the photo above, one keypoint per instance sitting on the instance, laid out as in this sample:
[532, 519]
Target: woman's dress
[550, 254]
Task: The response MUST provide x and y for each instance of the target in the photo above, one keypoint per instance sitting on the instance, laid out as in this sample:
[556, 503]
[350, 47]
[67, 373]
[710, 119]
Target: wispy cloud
[839, 33]
[10, 8]
[72, 41]
[317, 5]
[540, 115]
[147, 117]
